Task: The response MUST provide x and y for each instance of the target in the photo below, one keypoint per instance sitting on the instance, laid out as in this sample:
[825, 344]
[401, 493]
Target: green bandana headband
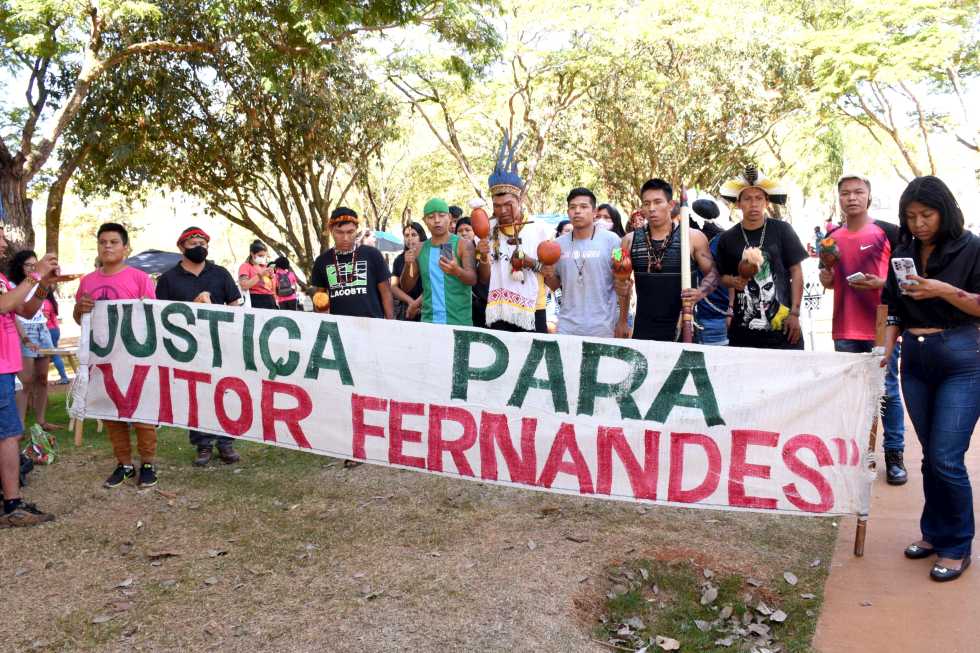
[435, 205]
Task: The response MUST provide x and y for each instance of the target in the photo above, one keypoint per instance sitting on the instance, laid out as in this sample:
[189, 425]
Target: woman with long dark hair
[607, 216]
[936, 310]
[255, 277]
[408, 304]
[34, 337]
[51, 310]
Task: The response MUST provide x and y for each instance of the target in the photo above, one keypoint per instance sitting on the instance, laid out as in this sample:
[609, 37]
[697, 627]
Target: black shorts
[263, 301]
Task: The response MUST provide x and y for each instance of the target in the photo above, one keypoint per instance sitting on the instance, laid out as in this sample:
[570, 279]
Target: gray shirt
[588, 306]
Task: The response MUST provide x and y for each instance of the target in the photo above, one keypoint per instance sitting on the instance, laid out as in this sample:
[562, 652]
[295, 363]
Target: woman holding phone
[933, 296]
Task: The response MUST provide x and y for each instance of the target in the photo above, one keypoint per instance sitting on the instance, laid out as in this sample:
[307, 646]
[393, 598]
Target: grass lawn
[289, 551]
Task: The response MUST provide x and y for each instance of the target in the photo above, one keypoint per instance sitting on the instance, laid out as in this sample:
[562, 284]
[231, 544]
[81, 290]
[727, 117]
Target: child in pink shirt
[116, 280]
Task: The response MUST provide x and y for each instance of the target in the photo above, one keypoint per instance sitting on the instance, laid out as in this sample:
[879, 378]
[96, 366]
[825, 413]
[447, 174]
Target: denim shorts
[36, 332]
[10, 424]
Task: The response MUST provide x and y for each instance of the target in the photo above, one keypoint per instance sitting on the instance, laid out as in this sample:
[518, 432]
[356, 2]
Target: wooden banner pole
[861, 532]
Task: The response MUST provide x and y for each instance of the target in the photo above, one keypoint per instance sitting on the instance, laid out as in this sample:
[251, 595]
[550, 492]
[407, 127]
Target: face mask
[602, 224]
[196, 254]
[260, 260]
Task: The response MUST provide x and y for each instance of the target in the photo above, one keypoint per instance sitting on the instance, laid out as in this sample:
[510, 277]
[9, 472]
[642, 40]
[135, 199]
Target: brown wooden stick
[860, 533]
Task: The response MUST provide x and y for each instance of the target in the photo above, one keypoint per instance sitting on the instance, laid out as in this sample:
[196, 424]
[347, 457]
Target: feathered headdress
[752, 177]
[505, 178]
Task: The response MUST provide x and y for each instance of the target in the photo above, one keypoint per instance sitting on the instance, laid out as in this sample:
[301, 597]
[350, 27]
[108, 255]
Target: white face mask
[603, 225]
[260, 260]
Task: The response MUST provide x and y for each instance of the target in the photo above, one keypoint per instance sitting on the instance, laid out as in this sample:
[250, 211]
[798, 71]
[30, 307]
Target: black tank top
[658, 292]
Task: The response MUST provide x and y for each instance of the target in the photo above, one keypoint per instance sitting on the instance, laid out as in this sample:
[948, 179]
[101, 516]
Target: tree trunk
[15, 210]
[56, 199]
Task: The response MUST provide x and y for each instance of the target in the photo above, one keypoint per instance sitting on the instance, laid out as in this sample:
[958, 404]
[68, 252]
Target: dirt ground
[292, 552]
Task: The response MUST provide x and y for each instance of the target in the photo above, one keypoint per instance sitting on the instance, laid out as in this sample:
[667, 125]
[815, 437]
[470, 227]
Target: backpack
[284, 287]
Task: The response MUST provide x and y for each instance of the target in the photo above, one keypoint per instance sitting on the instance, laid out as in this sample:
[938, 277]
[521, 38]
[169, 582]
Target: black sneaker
[148, 475]
[203, 457]
[25, 514]
[121, 474]
[895, 468]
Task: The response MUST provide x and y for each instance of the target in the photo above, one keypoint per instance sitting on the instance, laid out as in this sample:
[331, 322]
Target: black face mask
[196, 254]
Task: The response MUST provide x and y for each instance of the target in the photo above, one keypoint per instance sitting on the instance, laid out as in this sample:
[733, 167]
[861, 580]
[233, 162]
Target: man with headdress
[507, 263]
[760, 258]
[196, 279]
[355, 277]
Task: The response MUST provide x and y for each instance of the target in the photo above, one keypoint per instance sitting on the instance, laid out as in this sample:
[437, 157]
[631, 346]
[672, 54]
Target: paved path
[909, 611]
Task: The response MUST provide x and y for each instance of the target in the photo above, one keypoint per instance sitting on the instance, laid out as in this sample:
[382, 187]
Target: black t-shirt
[767, 299]
[179, 285]
[396, 271]
[352, 280]
[957, 263]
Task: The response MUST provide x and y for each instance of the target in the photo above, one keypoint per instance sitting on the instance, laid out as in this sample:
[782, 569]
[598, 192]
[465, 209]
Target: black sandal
[916, 552]
[942, 574]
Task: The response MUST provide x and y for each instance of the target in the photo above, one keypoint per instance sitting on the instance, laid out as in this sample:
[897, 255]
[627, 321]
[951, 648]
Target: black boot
[895, 468]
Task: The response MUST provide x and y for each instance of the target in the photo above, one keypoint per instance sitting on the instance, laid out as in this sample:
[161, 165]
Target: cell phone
[904, 267]
[857, 276]
[446, 251]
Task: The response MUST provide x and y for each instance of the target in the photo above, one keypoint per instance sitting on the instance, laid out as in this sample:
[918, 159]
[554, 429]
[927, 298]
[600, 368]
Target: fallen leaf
[636, 623]
[359, 574]
[125, 583]
[726, 612]
[167, 495]
[578, 539]
[708, 573]
[23, 571]
[726, 642]
[214, 553]
[125, 548]
[866, 604]
[778, 616]
[550, 510]
[373, 595]
[709, 595]
[790, 577]
[122, 606]
[762, 608]
[156, 564]
[644, 573]
[166, 584]
[165, 553]
[101, 619]
[761, 630]
[211, 581]
[703, 626]
[816, 562]
[583, 579]
[754, 582]
[139, 524]
[668, 644]
[806, 596]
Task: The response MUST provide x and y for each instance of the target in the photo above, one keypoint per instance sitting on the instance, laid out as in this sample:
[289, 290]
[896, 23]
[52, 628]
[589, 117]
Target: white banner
[707, 427]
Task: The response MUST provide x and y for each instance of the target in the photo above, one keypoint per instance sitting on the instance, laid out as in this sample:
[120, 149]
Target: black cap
[706, 209]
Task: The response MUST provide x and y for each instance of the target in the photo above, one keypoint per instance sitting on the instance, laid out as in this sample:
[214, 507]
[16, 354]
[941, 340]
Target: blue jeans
[941, 383]
[714, 331]
[58, 363]
[893, 417]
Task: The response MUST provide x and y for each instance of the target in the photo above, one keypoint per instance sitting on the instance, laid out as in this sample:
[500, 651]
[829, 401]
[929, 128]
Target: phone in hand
[904, 268]
[446, 251]
[857, 276]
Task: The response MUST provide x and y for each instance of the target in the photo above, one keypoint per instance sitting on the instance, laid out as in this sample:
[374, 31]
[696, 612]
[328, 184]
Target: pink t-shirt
[48, 308]
[292, 280]
[10, 362]
[128, 283]
[865, 250]
[262, 287]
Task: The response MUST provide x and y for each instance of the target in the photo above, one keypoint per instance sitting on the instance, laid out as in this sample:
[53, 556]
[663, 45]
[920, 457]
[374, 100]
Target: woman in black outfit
[413, 234]
[937, 313]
